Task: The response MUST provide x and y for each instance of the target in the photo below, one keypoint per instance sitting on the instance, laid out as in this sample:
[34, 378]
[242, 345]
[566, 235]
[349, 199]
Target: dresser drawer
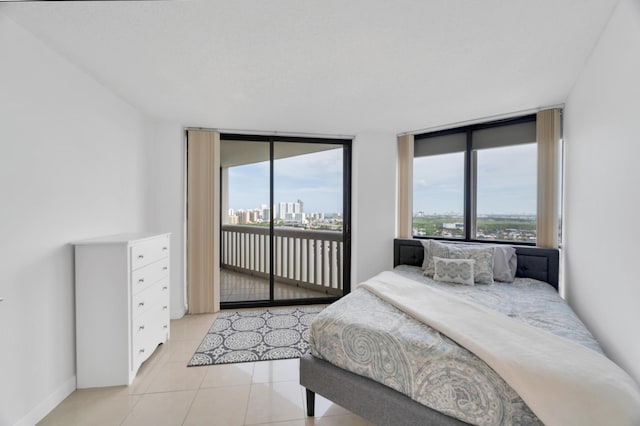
[161, 327]
[165, 329]
[141, 329]
[164, 297]
[149, 251]
[163, 287]
[164, 311]
[145, 276]
[148, 331]
[143, 341]
[145, 301]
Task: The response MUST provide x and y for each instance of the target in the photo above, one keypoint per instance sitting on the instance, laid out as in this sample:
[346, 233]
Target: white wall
[374, 204]
[602, 133]
[71, 167]
[166, 198]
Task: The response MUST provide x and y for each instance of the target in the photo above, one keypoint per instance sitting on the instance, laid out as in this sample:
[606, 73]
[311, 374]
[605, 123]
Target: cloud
[314, 178]
[506, 181]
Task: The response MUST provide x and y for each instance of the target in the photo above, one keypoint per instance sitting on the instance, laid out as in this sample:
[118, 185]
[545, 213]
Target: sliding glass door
[285, 220]
[308, 223]
[246, 221]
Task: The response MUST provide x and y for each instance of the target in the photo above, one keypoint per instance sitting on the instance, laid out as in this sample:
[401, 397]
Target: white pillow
[458, 271]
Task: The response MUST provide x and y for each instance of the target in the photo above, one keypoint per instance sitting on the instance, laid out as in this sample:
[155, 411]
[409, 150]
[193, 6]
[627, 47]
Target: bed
[356, 344]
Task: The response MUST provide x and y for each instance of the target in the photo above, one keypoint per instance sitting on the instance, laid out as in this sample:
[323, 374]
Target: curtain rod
[272, 133]
[480, 120]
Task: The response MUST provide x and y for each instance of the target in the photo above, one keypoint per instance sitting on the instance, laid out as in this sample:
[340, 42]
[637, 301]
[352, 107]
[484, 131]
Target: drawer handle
[164, 308]
[141, 280]
[165, 326]
[164, 248]
[141, 351]
[141, 304]
[141, 256]
[164, 288]
[141, 328]
[164, 268]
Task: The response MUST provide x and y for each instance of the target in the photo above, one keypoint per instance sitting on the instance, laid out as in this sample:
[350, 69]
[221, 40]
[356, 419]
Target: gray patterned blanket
[367, 336]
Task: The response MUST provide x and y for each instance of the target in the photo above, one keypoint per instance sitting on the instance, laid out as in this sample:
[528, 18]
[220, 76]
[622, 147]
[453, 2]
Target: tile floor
[167, 392]
[236, 287]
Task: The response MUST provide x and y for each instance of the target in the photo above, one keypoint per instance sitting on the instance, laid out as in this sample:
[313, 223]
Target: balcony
[307, 263]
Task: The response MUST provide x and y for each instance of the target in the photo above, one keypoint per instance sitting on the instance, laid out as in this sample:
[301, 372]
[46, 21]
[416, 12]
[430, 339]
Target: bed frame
[379, 403]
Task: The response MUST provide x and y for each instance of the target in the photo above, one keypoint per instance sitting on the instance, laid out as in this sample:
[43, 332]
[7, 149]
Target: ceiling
[330, 66]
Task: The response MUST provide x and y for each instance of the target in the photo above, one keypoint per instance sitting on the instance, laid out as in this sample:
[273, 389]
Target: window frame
[271, 140]
[470, 176]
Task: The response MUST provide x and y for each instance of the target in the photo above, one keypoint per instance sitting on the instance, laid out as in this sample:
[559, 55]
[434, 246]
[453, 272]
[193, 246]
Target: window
[477, 182]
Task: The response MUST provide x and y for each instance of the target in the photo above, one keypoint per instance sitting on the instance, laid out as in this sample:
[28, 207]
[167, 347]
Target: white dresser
[122, 305]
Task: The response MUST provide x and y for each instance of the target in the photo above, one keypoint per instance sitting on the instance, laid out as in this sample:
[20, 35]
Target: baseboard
[51, 402]
[178, 313]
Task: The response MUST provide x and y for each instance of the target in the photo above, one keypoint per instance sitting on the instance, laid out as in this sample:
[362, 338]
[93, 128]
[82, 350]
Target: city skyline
[507, 182]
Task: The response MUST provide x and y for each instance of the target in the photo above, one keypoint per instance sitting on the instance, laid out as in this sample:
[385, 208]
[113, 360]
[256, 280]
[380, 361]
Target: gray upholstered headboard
[533, 262]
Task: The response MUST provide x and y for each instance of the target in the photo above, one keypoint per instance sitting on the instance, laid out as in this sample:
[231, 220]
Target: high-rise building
[265, 212]
[287, 210]
[290, 211]
[282, 211]
[246, 217]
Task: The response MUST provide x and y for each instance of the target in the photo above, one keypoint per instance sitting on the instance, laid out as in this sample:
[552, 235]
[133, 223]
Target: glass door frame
[346, 212]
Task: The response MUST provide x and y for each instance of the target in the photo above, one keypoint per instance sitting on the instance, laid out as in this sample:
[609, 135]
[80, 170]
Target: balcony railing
[306, 258]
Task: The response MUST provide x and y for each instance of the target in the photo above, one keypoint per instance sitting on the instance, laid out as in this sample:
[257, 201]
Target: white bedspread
[562, 382]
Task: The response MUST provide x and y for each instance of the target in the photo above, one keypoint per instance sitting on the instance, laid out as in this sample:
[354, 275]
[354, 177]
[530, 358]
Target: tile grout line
[186, 414]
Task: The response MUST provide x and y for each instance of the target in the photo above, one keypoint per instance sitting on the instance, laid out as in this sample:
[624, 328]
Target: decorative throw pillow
[437, 249]
[483, 267]
[505, 261]
[459, 271]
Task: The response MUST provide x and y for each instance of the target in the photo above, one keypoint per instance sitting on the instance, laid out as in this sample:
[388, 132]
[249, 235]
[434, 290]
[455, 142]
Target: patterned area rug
[256, 335]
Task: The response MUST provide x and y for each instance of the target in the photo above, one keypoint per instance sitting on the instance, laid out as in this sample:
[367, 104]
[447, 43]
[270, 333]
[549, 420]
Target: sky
[506, 182]
[315, 179]
[507, 179]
